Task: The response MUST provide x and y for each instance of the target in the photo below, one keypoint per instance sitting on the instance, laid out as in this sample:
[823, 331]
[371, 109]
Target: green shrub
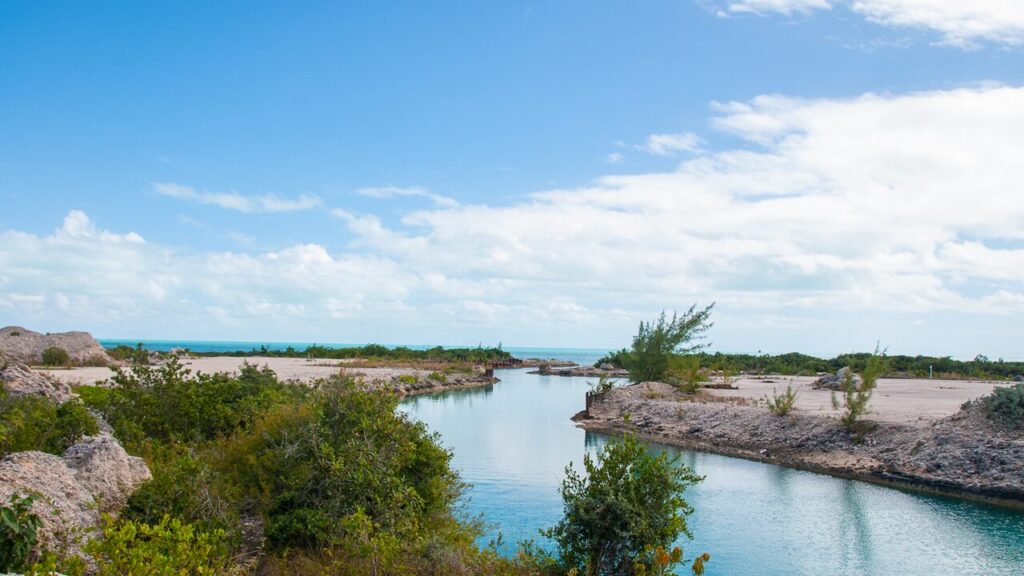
[54, 356]
[1006, 405]
[656, 342]
[626, 506]
[407, 379]
[311, 466]
[38, 423]
[438, 377]
[168, 548]
[853, 399]
[169, 404]
[603, 385]
[684, 373]
[782, 404]
[19, 529]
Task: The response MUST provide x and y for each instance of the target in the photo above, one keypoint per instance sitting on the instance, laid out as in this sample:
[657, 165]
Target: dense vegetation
[369, 351]
[38, 423]
[795, 364]
[254, 476]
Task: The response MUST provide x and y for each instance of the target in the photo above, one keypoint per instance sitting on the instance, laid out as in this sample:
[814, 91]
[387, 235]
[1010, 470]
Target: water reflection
[512, 441]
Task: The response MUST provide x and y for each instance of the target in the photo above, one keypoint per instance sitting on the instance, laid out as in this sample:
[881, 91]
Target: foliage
[853, 399]
[657, 341]
[407, 379]
[316, 467]
[684, 373]
[1006, 405]
[376, 351]
[603, 385]
[125, 353]
[795, 364]
[782, 404]
[19, 528]
[626, 505]
[54, 356]
[168, 404]
[38, 423]
[168, 548]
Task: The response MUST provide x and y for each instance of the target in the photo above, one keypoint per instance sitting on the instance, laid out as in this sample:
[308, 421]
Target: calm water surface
[512, 442]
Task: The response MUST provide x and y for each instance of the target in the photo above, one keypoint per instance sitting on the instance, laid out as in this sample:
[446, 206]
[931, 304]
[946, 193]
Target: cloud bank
[833, 210]
[960, 22]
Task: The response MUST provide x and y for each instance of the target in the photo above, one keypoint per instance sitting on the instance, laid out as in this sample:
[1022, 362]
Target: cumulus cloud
[235, 201]
[960, 22]
[876, 206]
[397, 191]
[671, 144]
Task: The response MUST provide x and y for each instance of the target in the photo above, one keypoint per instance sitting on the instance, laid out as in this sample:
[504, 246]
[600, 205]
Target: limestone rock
[20, 380]
[105, 470]
[23, 345]
[66, 509]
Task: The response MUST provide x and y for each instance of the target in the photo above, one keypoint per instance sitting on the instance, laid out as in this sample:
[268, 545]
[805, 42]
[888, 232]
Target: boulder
[23, 345]
[835, 381]
[20, 380]
[65, 508]
[71, 491]
[106, 471]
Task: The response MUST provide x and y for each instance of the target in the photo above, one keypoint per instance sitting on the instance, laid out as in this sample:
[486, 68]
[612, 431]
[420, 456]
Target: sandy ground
[299, 369]
[897, 401]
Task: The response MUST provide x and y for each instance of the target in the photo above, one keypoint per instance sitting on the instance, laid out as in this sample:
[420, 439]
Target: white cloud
[960, 22]
[614, 158]
[671, 144]
[396, 191]
[235, 201]
[852, 218]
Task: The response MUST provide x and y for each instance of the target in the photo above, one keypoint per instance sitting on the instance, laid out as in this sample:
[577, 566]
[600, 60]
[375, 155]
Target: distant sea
[584, 356]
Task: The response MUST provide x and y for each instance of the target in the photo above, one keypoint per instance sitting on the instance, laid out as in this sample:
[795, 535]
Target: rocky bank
[963, 454]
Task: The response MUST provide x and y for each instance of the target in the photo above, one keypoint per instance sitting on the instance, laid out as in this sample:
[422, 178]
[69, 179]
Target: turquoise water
[580, 355]
[512, 440]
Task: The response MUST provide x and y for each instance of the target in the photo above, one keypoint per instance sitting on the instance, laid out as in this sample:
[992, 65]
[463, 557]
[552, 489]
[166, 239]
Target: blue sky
[832, 173]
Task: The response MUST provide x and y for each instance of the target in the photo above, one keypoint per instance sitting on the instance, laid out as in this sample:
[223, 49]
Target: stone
[23, 345]
[20, 380]
[106, 471]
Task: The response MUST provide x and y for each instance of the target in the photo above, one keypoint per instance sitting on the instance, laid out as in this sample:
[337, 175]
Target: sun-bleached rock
[20, 380]
[106, 471]
[23, 345]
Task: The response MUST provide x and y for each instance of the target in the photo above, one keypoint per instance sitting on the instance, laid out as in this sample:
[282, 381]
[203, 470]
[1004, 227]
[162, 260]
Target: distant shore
[404, 380]
[917, 434]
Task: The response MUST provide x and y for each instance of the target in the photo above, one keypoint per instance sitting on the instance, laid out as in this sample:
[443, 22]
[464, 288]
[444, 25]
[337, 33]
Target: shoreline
[955, 456]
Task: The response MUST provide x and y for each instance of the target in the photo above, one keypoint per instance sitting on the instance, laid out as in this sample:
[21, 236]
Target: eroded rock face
[67, 510]
[20, 380]
[106, 471]
[94, 476]
[23, 345]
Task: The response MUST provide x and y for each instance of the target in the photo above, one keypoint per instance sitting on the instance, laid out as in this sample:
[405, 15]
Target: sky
[832, 174]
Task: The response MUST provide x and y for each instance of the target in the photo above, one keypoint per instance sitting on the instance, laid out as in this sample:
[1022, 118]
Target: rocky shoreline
[962, 455]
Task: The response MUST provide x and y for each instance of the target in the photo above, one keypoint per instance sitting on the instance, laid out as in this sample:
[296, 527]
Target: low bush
[167, 548]
[782, 404]
[54, 356]
[1006, 405]
[38, 423]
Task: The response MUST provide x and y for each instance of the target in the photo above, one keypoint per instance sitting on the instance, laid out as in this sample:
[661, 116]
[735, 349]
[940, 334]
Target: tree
[853, 398]
[623, 513]
[656, 342]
